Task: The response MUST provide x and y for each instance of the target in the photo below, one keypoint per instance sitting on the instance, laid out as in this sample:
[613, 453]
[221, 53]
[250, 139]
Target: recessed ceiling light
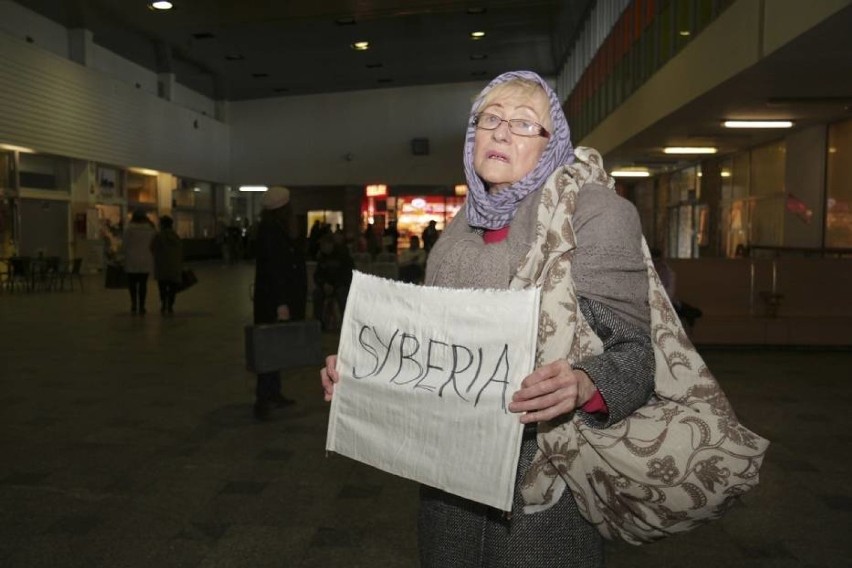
[758, 124]
[477, 35]
[253, 188]
[690, 150]
[161, 5]
[361, 45]
[725, 174]
[631, 173]
[685, 33]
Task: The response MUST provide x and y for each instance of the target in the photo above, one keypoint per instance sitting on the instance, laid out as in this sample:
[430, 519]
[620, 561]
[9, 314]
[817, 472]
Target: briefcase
[283, 345]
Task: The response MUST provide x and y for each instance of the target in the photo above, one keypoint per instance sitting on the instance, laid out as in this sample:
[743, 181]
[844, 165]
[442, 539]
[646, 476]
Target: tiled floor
[128, 441]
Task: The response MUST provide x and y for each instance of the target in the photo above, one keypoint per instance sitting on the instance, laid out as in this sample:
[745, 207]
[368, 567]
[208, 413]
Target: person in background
[412, 262]
[390, 238]
[374, 243]
[280, 286]
[168, 260]
[518, 149]
[332, 278]
[687, 313]
[138, 260]
[430, 236]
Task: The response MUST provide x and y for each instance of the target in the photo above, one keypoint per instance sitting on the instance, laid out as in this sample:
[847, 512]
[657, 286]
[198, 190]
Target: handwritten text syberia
[446, 369]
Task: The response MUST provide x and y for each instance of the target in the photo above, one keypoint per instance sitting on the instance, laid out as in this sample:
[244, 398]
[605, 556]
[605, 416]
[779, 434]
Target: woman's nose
[502, 131]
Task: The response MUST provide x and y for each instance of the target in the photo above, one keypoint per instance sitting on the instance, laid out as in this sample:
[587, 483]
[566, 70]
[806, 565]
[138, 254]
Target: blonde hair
[520, 89]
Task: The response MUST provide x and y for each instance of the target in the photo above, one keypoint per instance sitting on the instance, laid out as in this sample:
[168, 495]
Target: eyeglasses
[518, 126]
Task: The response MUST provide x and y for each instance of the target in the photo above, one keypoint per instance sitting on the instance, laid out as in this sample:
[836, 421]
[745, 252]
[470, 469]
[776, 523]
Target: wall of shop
[358, 137]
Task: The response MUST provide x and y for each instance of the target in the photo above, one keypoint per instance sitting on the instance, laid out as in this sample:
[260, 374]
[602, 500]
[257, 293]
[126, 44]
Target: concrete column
[80, 46]
[166, 86]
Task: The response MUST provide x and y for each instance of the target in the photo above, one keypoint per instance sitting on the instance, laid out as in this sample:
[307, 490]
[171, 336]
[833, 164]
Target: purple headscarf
[496, 211]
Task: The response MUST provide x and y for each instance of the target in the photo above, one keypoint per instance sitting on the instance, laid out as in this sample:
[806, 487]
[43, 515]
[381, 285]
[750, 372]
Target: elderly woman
[517, 144]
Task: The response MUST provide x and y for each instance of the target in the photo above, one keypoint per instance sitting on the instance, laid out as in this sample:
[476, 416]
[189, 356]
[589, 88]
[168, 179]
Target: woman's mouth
[497, 156]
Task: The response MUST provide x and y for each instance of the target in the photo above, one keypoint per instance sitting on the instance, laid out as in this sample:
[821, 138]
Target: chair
[20, 273]
[70, 270]
[45, 271]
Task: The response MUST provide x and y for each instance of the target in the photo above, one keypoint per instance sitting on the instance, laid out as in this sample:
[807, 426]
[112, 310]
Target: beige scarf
[681, 459]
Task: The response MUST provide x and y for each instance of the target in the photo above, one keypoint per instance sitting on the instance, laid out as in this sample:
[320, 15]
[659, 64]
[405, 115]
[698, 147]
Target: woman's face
[502, 158]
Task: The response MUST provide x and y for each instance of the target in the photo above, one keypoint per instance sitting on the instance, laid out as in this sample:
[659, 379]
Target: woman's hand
[329, 376]
[550, 391]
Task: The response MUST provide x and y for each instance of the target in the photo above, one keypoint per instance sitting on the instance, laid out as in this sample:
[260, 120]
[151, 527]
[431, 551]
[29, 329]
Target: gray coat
[136, 245]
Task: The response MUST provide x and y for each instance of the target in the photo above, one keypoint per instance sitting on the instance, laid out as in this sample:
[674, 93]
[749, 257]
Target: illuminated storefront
[412, 208]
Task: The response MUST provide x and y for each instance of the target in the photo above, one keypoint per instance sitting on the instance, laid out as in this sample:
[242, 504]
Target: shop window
[141, 188]
[109, 183]
[768, 195]
[838, 217]
[38, 171]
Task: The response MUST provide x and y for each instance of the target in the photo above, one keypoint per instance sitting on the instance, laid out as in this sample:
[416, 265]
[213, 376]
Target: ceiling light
[684, 33]
[361, 45]
[757, 124]
[253, 188]
[161, 5]
[725, 174]
[143, 171]
[13, 148]
[477, 35]
[689, 150]
[631, 173]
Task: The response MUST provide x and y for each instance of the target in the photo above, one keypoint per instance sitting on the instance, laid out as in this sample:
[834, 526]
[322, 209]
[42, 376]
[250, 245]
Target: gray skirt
[455, 532]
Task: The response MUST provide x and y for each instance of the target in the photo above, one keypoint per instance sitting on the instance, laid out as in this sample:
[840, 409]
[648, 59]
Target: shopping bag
[283, 345]
[115, 277]
[188, 279]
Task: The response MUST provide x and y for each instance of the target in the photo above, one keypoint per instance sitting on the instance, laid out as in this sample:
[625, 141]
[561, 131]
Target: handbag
[283, 345]
[188, 279]
[115, 277]
[680, 460]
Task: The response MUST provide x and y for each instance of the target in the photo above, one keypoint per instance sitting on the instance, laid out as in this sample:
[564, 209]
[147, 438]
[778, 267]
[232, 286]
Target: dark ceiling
[265, 48]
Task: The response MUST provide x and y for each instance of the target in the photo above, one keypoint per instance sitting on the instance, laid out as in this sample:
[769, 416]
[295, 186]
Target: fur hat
[275, 197]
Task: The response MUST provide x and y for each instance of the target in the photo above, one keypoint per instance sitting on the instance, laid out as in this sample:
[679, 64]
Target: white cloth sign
[426, 376]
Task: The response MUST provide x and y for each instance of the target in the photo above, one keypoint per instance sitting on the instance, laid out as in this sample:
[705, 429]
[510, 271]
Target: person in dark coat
[168, 259]
[280, 285]
[332, 278]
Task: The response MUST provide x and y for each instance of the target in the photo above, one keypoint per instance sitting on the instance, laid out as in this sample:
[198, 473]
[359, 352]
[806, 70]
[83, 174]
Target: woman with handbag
[517, 136]
[542, 213]
[168, 259]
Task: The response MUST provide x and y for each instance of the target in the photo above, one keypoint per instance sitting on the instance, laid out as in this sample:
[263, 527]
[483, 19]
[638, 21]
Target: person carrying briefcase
[280, 285]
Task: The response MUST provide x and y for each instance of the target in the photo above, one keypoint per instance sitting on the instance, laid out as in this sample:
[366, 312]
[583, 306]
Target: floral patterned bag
[680, 460]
